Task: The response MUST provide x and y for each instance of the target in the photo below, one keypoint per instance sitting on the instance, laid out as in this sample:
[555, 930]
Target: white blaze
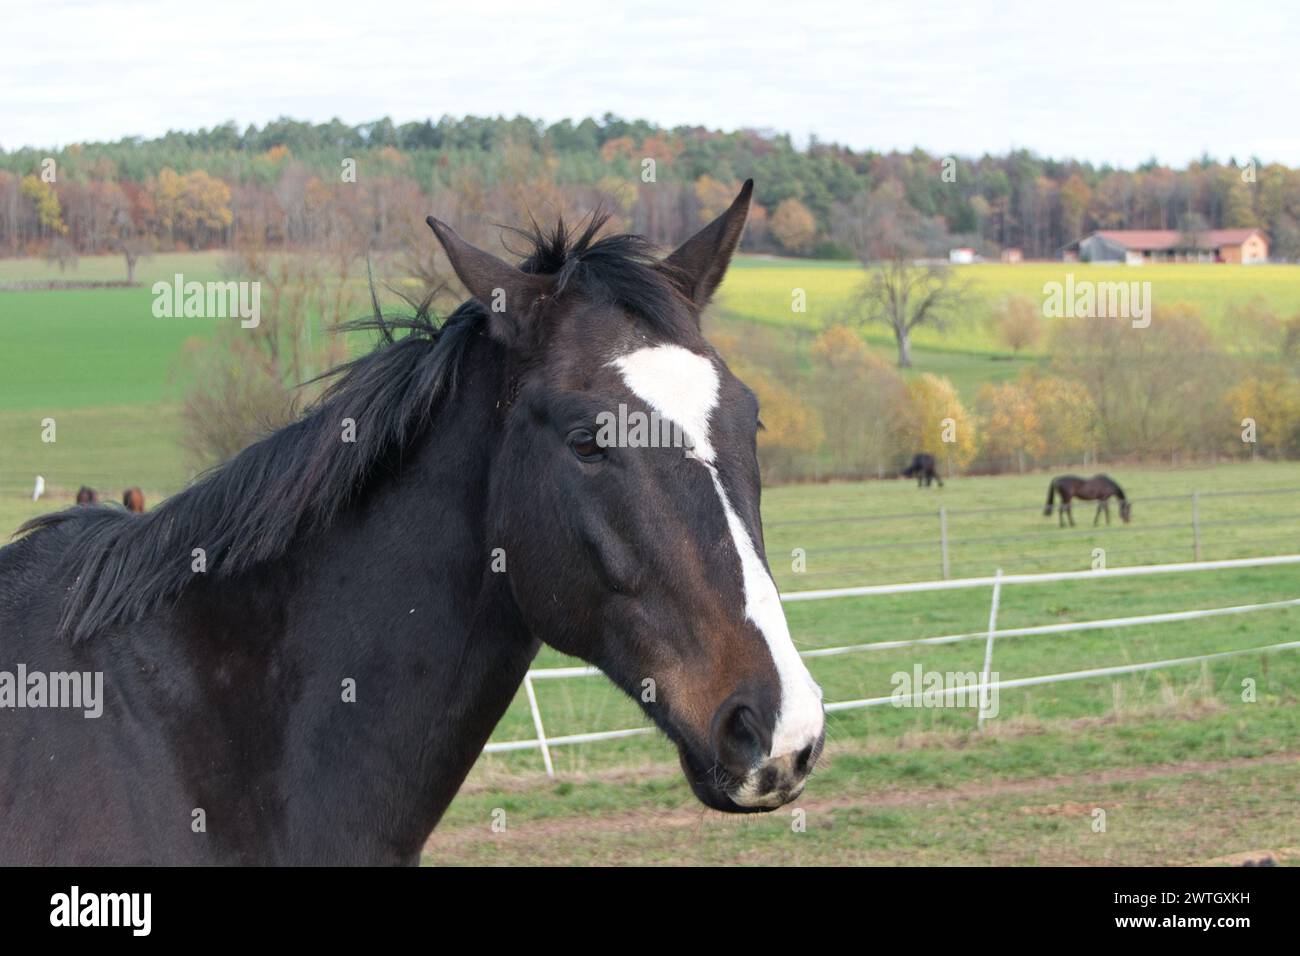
[683, 387]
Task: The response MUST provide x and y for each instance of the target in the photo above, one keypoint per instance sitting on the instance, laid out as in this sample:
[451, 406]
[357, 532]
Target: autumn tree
[194, 207]
[791, 427]
[49, 212]
[1010, 427]
[1267, 401]
[714, 196]
[861, 401]
[1156, 388]
[934, 420]
[1018, 322]
[1075, 196]
[793, 226]
[1254, 326]
[1067, 418]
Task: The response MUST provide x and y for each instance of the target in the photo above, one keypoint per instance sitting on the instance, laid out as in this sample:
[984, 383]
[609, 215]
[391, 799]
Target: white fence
[996, 582]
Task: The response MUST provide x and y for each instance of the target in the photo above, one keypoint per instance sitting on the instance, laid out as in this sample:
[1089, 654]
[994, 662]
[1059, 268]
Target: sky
[1110, 82]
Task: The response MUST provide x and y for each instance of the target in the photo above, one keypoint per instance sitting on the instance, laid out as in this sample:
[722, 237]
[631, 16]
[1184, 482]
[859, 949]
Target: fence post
[943, 539]
[1196, 524]
[988, 647]
[537, 723]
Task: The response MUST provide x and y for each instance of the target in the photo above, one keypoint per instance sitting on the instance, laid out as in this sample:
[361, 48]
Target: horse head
[626, 498]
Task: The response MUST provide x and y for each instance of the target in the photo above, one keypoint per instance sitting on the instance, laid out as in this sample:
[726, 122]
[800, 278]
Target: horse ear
[509, 295]
[701, 261]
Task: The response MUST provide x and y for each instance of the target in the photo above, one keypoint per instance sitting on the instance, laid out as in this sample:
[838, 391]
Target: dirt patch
[693, 815]
[1069, 809]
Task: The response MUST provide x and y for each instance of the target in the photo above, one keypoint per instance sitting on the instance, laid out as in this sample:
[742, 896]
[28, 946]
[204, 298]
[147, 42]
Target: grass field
[79, 342]
[761, 289]
[1186, 770]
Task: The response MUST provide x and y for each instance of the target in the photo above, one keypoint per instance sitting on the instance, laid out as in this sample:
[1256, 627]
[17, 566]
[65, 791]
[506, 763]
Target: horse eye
[584, 445]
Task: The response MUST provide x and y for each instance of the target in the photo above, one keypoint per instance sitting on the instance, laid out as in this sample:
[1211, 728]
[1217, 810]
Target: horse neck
[400, 596]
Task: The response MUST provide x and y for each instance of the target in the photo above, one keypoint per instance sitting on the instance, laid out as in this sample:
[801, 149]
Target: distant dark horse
[303, 654]
[1098, 488]
[133, 500]
[922, 466]
[87, 496]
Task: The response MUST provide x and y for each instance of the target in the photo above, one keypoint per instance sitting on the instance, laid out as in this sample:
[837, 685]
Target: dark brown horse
[922, 467]
[1098, 488]
[133, 499]
[309, 647]
[87, 496]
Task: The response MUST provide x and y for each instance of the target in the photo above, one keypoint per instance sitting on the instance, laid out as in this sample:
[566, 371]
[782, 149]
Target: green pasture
[96, 347]
[580, 705]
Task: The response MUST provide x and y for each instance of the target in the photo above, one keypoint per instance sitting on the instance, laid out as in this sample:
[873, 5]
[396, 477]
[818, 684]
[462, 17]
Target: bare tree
[888, 234]
[63, 252]
[243, 383]
[903, 296]
[134, 247]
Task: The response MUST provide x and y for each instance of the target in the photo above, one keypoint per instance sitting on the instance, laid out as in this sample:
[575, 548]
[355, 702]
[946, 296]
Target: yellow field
[762, 290]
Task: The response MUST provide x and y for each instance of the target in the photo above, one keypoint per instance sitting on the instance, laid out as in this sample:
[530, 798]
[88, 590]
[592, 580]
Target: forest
[283, 185]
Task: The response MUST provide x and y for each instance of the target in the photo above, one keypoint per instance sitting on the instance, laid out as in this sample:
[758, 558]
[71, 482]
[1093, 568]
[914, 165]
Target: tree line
[295, 184]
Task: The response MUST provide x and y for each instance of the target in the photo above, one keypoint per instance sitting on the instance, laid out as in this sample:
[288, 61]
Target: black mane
[619, 269]
[293, 483]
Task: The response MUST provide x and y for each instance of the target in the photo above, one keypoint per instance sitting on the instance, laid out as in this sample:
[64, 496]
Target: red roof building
[1136, 246]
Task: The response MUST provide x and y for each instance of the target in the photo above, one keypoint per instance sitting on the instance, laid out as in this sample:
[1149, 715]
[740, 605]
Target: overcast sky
[1114, 82]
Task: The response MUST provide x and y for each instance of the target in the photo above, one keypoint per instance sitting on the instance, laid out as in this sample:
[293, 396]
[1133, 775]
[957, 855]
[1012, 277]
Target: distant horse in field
[87, 496]
[314, 641]
[1099, 488]
[133, 499]
[922, 467]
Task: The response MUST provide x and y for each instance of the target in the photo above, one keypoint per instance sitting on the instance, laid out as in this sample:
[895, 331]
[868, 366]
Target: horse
[133, 500]
[87, 496]
[1098, 488]
[922, 466]
[306, 650]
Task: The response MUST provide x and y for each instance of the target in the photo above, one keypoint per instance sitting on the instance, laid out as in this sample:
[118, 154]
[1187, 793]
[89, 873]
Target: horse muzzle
[741, 775]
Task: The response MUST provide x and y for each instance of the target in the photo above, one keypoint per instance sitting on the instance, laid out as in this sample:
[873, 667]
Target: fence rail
[933, 531]
[996, 582]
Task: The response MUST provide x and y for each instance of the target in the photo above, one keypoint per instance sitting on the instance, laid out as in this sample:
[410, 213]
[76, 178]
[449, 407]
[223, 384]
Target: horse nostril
[738, 737]
[803, 762]
[743, 726]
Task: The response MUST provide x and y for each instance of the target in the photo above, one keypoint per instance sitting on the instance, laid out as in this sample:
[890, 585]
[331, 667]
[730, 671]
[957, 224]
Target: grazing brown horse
[1098, 488]
[87, 496]
[133, 498]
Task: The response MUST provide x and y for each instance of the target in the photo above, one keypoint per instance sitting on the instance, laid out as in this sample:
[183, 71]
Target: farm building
[1136, 246]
